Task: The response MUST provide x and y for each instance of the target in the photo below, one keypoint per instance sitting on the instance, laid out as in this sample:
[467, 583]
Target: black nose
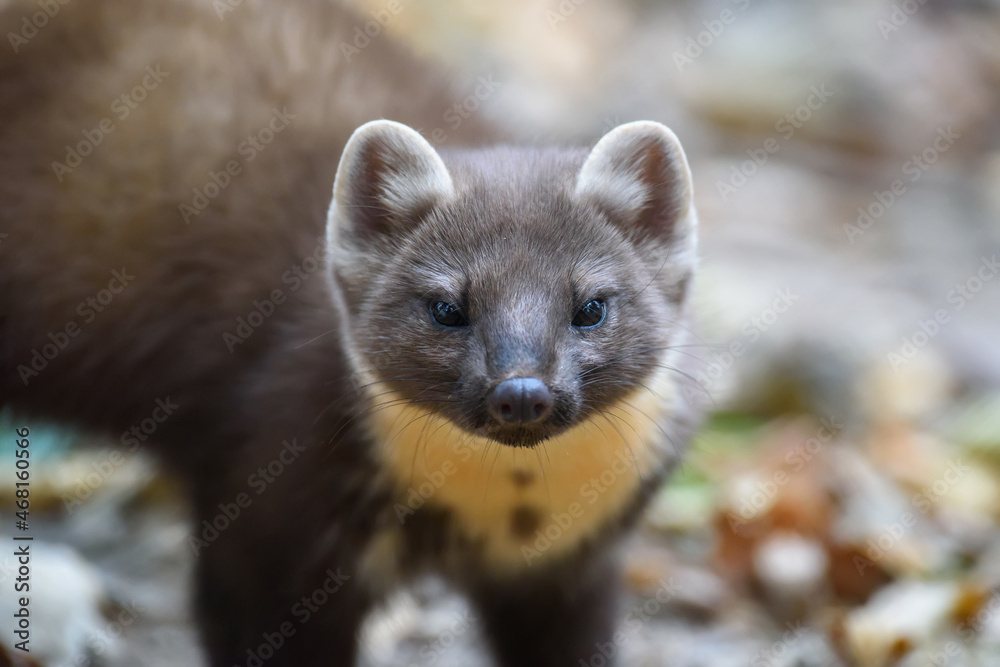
[520, 401]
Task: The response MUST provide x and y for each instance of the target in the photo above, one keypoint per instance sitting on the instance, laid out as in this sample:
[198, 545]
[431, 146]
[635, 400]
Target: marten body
[340, 375]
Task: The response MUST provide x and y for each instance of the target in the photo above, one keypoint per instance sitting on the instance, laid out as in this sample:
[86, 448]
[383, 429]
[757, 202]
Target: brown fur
[119, 208]
[296, 390]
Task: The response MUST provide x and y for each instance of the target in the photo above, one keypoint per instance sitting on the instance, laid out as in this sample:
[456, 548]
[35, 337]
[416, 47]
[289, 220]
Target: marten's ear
[638, 176]
[388, 177]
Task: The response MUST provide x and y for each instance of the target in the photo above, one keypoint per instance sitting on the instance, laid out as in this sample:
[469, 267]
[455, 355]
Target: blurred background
[841, 505]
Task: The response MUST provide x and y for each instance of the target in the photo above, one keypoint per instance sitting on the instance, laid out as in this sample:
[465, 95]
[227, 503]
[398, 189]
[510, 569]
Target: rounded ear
[638, 175]
[387, 178]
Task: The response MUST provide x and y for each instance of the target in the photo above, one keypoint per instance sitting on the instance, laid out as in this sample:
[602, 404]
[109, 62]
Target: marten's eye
[448, 314]
[590, 315]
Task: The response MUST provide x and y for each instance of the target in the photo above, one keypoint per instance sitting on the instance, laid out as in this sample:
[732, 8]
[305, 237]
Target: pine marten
[469, 363]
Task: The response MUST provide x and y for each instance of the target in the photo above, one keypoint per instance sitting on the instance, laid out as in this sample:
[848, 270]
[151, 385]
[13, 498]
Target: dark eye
[590, 315]
[448, 314]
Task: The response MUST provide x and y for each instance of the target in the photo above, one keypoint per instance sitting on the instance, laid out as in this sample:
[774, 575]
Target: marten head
[515, 292]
